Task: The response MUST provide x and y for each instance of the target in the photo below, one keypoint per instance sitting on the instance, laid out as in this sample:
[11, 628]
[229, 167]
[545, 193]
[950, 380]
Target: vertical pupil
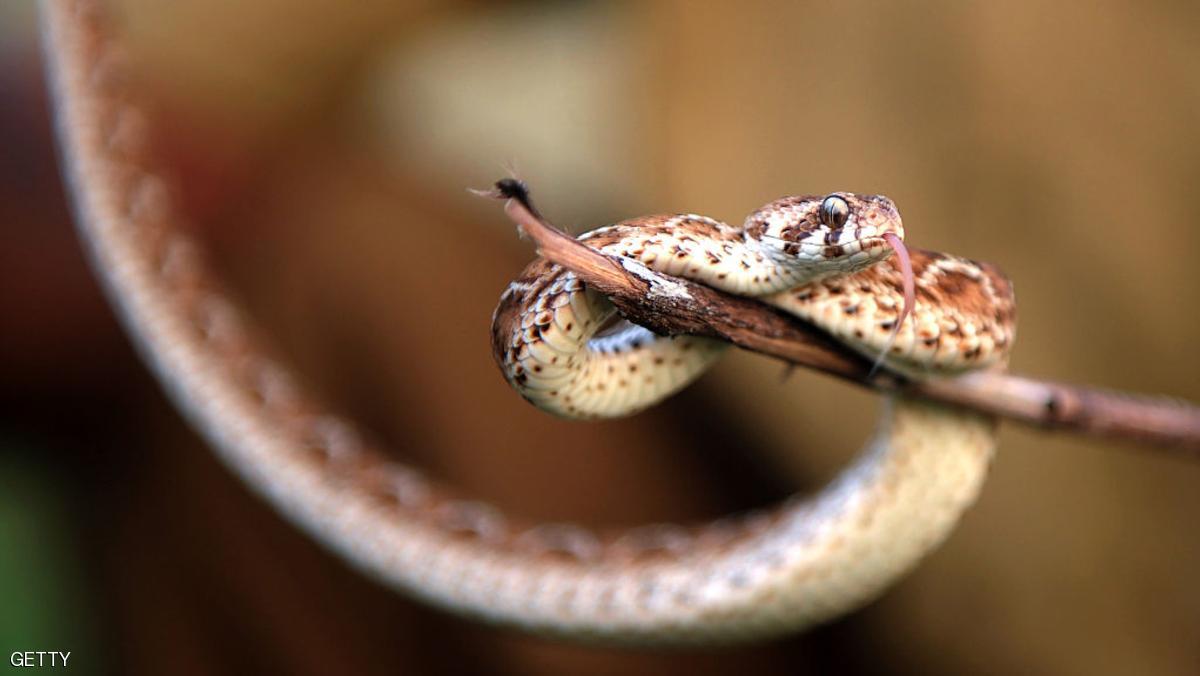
[834, 212]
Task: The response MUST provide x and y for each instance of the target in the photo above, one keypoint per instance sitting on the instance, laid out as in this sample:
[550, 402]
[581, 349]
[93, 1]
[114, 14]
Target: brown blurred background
[323, 149]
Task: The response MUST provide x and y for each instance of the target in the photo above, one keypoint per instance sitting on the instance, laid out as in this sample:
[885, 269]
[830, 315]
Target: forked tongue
[906, 274]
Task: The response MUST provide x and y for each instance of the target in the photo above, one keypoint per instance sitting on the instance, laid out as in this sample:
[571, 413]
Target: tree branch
[671, 306]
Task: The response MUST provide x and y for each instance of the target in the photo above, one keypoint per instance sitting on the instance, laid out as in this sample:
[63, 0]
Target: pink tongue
[897, 245]
[910, 295]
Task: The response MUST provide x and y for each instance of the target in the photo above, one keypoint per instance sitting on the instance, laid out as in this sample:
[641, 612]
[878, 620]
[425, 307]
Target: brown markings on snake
[982, 295]
[791, 201]
[754, 228]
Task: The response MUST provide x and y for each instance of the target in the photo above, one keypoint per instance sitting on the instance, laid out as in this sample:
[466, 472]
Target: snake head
[819, 236]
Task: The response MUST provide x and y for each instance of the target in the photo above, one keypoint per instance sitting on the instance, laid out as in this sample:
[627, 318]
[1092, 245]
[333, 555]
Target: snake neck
[776, 269]
[749, 261]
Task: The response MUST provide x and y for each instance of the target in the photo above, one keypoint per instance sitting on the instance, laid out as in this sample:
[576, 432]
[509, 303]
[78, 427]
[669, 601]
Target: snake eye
[834, 212]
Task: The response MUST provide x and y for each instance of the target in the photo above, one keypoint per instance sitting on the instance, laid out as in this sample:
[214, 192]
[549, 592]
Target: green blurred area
[43, 603]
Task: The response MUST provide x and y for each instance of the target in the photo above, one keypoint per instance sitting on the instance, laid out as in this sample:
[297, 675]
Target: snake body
[822, 258]
[732, 580]
[825, 259]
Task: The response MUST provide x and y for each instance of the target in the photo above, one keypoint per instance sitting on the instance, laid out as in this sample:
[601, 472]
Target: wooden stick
[671, 305]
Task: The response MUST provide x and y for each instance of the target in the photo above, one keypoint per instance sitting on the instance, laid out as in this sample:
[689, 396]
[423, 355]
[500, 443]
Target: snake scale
[733, 580]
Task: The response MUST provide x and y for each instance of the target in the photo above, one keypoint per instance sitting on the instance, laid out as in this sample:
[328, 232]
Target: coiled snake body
[726, 581]
[825, 259]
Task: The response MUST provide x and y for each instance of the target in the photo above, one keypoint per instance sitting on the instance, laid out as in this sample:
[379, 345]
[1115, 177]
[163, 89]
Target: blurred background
[323, 150]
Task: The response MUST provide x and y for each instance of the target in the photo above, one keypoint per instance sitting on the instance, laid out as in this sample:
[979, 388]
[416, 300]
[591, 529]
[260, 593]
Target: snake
[835, 260]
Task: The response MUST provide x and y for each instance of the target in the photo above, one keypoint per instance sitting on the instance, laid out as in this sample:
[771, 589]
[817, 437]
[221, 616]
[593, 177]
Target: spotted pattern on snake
[732, 580]
[828, 260]
[558, 345]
